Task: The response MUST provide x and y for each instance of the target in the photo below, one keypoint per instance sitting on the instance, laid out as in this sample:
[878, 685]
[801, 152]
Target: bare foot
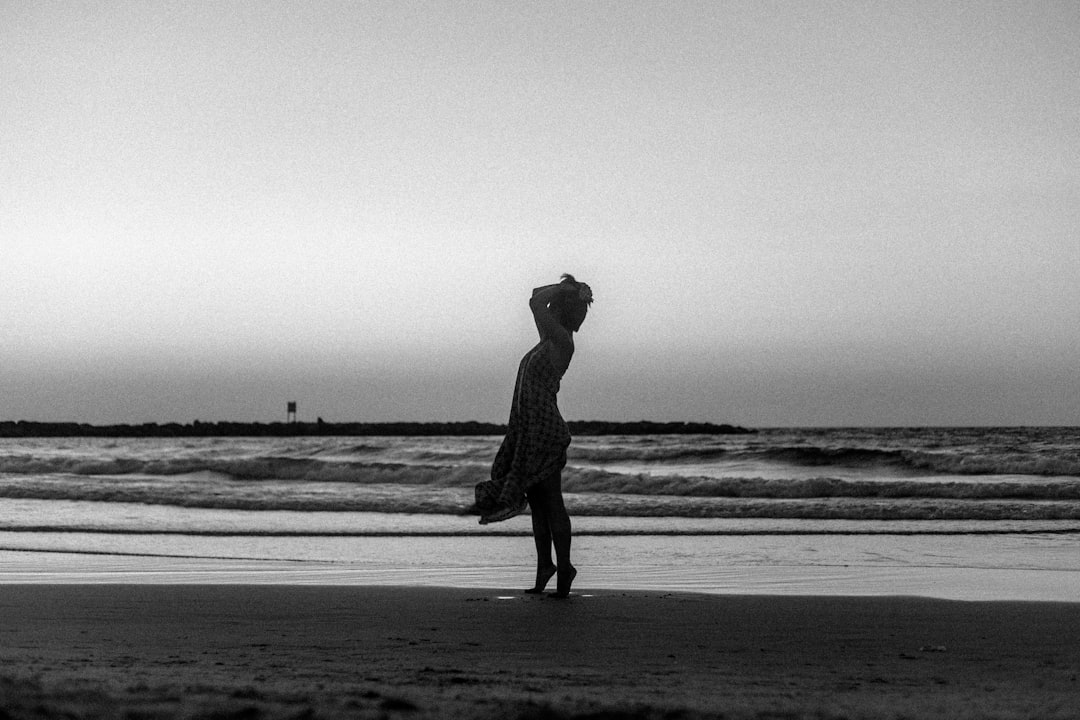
[542, 576]
[566, 579]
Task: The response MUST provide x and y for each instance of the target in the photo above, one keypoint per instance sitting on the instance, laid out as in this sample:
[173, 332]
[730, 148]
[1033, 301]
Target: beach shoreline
[271, 651]
[998, 567]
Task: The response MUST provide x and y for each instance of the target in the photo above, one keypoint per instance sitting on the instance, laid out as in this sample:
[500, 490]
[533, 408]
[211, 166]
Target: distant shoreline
[27, 429]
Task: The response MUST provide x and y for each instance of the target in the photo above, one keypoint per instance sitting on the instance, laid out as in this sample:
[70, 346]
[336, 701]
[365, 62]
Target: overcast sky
[791, 213]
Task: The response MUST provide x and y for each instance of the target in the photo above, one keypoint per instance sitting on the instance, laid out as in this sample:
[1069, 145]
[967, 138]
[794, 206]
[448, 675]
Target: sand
[224, 651]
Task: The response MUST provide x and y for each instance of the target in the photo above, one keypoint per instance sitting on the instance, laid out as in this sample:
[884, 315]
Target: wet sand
[268, 651]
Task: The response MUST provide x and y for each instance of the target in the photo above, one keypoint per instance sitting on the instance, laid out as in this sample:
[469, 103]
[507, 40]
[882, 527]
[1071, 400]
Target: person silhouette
[527, 470]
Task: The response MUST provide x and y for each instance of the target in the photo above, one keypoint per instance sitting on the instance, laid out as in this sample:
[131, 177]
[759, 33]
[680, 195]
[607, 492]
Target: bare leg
[559, 527]
[545, 568]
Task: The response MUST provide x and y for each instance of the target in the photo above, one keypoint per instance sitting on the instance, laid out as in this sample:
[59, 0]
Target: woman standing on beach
[528, 466]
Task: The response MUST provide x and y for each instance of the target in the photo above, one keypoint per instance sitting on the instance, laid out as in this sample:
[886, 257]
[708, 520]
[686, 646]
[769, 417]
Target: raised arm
[548, 325]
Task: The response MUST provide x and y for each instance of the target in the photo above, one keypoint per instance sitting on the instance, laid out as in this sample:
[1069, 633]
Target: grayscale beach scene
[539, 361]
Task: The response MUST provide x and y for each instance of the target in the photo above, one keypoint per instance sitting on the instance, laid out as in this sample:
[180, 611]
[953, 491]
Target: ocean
[950, 512]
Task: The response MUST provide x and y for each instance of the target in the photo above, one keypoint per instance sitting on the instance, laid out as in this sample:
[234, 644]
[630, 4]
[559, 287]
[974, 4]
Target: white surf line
[119, 553]
[585, 532]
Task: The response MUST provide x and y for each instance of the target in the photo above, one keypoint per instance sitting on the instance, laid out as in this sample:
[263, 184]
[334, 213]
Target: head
[572, 307]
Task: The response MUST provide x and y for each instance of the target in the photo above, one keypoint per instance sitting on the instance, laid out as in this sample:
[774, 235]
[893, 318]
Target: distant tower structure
[290, 411]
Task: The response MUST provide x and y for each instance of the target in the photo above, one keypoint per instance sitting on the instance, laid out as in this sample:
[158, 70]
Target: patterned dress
[536, 438]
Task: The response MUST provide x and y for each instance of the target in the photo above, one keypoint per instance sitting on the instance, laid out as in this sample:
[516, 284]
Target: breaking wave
[434, 461]
[849, 474]
[941, 463]
[389, 488]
